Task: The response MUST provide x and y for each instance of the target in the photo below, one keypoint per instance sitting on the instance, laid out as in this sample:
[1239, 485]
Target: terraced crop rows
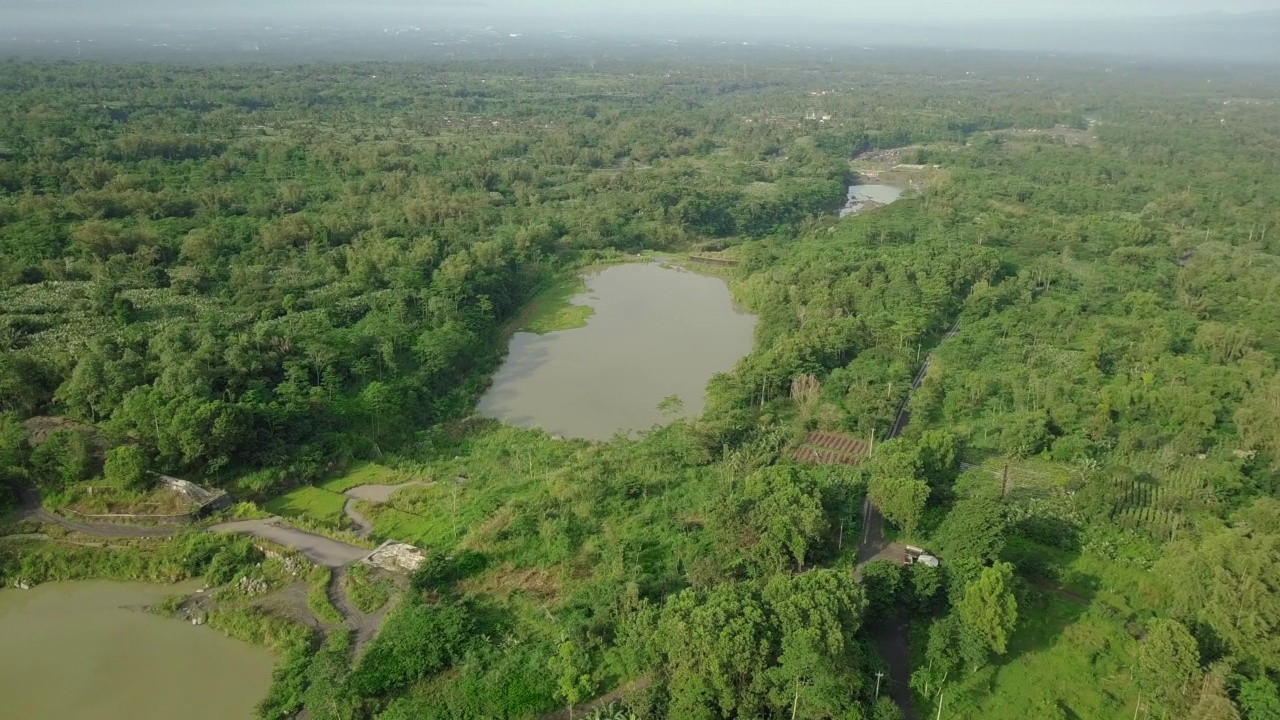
[828, 448]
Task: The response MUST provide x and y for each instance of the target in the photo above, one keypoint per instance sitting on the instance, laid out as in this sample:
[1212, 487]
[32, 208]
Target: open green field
[1074, 649]
[363, 474]
[312, 502]
[501, 466]
[1066, 653]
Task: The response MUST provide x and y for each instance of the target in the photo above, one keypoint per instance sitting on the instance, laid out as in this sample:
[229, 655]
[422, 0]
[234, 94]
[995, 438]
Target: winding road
[892, 641]
[373, 494]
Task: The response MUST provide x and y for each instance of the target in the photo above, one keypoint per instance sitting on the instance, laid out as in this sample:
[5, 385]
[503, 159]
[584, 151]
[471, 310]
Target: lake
[862, 197]
[88, 650]
[657, 331]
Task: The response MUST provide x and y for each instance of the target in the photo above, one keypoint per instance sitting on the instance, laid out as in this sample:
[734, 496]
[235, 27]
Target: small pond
[656, 331]
[88, 650]
[865, 197]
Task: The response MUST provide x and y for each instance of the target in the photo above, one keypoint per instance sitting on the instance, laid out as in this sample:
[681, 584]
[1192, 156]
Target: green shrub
[417, 640]
[230, 560]
[318, 595]
[365, 592]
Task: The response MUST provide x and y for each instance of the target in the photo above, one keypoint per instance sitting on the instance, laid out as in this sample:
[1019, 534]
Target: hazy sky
[898, 9]
[911, 10]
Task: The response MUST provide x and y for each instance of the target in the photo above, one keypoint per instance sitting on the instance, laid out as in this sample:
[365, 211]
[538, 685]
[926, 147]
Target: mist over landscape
[640, 359]
[1245, 30]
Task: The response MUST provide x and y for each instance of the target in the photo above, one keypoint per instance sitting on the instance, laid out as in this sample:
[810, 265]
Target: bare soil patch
[506, 580]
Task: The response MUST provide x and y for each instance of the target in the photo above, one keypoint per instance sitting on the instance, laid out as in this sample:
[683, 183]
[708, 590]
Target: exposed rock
[397, 557]
[251, 586]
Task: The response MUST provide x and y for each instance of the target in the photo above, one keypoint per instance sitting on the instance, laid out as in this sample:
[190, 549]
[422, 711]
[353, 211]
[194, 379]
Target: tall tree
[769, 521]
[988, 612]
[896, 486]
[1168, 665]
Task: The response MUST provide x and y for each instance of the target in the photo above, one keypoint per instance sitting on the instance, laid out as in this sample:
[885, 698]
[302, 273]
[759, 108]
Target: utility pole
[879, 675]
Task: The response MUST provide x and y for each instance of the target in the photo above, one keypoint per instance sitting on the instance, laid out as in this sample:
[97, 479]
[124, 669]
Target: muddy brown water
[88, 650]
[657, 331]
[861, 196]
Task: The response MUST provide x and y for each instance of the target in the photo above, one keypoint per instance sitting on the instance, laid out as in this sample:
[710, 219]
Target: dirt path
[373, 494]
[317, 548]
[364, 527]
[364, 626]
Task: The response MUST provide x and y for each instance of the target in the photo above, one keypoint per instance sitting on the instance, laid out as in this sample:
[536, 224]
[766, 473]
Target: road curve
[374, 494]
[317, 548]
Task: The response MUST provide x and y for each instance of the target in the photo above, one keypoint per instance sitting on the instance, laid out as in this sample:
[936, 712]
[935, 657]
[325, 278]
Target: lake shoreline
[656, 329]
[92, 649]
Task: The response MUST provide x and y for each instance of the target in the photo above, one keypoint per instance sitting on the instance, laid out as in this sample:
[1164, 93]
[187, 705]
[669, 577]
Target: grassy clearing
[1064, 652]
[366, 592]
[388, 522]
[1074, 644]
[1030, 477]
[363, 474]
[310, 502]
[501, 466]
[552, 310]
[318, 595]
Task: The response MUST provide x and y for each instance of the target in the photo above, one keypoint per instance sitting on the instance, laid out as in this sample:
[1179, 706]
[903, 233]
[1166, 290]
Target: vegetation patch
[1070, 657]
[362, 474]
[552, 309]
[367, 591]
[291, 642]
[315, 503]
[318, 580]
[107, 500]
[390, 522]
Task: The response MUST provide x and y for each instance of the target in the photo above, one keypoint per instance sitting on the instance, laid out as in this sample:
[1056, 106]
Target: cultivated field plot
[829, 448]
[1027, 478]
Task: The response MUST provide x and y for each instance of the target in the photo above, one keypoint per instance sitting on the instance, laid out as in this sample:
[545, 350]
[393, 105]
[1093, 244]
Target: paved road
[317, 548]
[892, 640]
[380, 493]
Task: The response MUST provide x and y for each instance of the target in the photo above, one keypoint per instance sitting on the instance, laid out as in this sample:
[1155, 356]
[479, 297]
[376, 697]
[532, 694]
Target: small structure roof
[396, 556]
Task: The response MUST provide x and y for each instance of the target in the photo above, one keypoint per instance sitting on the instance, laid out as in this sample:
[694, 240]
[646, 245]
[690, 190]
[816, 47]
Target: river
[656, 331]
[88, 650]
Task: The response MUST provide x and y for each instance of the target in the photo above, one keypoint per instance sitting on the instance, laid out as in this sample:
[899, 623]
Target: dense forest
[261, 278]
